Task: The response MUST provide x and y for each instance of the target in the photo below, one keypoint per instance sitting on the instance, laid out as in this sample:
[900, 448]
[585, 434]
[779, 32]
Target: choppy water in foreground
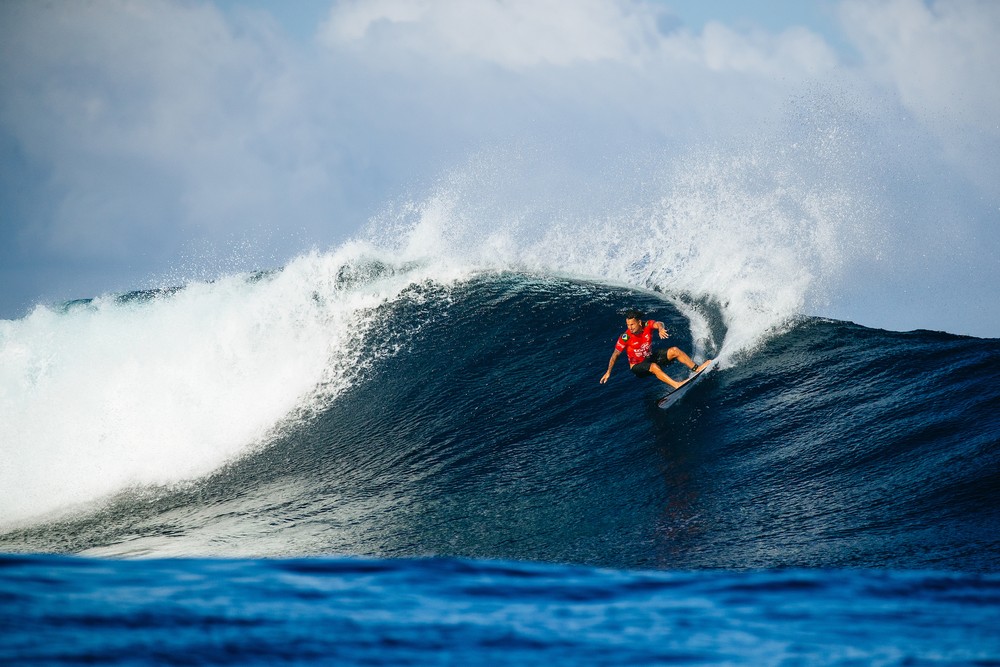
[445, 611]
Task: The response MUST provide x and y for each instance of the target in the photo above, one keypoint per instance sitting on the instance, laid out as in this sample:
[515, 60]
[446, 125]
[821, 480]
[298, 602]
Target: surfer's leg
[677, 354]
[663, 377]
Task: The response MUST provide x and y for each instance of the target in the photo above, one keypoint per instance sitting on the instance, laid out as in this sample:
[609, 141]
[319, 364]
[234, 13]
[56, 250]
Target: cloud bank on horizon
[139, 137]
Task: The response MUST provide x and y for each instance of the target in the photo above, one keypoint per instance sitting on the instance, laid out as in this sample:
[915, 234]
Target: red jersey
[638, 346]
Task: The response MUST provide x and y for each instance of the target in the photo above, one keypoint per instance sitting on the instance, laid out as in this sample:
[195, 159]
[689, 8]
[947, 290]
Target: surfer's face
[635, 326]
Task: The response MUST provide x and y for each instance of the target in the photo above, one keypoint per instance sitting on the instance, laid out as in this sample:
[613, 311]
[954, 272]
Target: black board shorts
[659, 358]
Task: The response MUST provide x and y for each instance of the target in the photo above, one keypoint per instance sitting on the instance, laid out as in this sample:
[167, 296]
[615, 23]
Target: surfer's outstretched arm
[614, 358]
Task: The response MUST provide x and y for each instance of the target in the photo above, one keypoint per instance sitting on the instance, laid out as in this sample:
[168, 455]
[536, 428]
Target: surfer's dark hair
[634, 314]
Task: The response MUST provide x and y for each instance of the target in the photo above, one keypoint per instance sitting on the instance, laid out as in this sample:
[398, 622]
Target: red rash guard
[637, 346]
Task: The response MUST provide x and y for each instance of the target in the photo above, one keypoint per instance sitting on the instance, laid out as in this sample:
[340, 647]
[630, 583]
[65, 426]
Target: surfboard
[677, 394]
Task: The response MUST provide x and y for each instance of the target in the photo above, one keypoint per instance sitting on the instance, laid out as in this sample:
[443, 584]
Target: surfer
[637, 343]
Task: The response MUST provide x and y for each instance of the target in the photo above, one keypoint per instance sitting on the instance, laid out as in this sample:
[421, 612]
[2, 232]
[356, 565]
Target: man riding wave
[637, 343]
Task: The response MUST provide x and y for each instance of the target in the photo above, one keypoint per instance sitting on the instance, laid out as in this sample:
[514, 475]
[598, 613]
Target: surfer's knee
[673, 353]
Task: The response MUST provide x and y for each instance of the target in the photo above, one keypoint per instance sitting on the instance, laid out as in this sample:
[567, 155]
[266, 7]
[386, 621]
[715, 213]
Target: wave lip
[165, 386]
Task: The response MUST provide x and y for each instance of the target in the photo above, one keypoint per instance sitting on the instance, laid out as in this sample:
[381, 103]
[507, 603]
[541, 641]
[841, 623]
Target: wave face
[368, 408]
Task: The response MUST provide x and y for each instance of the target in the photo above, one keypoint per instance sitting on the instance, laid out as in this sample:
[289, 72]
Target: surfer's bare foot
[703, 365]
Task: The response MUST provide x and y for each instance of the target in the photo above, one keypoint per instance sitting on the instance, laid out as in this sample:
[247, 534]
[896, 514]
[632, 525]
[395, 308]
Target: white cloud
[510, 33]
[943, 58]
[158, 120]
[942, 61]
[793, 52]
[519, 34]
[151, 118]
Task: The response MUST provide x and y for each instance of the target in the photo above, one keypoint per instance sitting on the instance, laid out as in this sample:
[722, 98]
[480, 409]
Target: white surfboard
[677, 394]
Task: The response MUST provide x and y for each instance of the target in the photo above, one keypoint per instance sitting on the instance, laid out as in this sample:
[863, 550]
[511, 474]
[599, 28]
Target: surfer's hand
[605, 377]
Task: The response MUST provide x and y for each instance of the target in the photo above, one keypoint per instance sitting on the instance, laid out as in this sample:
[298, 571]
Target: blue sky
[148, 142]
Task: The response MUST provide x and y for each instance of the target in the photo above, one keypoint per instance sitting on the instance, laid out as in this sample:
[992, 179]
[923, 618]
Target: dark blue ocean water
[828, 496]
[446, 611]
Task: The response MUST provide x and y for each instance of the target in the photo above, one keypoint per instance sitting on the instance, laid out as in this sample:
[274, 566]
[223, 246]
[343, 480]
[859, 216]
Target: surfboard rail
[675, 395]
